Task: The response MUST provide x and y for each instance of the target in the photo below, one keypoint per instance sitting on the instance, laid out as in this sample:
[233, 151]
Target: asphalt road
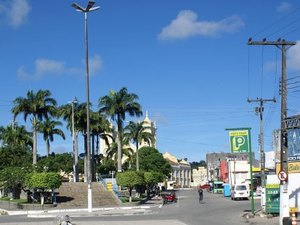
[215, 210]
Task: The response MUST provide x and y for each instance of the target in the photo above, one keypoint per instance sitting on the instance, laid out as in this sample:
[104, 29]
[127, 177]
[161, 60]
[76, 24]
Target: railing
[115, 190]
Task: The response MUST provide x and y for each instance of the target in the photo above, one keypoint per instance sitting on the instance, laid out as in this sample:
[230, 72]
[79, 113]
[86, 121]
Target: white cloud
[284, 7]
[95, 64]
[293, 57]
[43, 67]
[48, 67]
[15, 12]
[186, 25]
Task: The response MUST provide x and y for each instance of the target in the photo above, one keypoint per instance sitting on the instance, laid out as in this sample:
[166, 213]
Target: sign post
[240, 142]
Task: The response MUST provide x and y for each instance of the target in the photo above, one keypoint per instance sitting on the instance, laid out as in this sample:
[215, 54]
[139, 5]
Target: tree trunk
[130, 194]
[16, 192]
[97, 145]
[93, 175]
[137, 157]
[76, 157]
[34, 150]
[119, 143]
[48, 147]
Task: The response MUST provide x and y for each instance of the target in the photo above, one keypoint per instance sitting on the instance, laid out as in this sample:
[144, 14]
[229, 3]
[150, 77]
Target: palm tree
[79, 126]
[138, 132]
[38, 105]
[116, 105]
[112, 150]
[48, 129]
[15, 135]
[100, 128]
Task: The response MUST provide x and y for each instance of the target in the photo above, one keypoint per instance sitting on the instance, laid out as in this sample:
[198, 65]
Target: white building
[238, 171]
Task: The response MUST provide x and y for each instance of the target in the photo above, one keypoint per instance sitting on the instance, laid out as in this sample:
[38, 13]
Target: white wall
[238, 172]
[294, 190]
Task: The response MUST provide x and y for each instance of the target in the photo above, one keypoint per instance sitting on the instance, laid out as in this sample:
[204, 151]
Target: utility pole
[284, 197]
[260, 110]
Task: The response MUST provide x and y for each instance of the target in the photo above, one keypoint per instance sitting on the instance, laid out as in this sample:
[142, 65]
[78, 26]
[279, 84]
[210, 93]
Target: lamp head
[78, 7]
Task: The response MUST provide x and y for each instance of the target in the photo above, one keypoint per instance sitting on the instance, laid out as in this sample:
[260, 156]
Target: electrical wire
[248, 72]
[292, 31]
[276, 22]
[276, 73]
[262, 71]
[283, 28]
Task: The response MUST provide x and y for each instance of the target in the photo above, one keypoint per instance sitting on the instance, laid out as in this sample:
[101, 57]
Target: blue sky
[187, 60]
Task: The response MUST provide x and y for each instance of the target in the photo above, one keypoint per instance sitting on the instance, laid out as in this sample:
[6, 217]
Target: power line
[276, 22]
[282, 28]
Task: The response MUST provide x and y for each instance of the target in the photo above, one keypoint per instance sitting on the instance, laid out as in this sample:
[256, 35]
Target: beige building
[181, 171]
[199, 176]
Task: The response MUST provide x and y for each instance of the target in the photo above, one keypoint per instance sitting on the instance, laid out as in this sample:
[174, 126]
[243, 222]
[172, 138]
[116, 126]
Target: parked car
[239, 191]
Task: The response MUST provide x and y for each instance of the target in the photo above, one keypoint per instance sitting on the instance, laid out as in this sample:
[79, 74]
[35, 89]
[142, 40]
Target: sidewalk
[260, 218]
[128, 209]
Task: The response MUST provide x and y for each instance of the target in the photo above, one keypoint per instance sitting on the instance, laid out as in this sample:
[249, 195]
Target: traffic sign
[282, 175]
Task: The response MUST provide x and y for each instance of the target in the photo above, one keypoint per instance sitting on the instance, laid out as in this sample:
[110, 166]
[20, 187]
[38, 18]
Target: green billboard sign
[239, 141]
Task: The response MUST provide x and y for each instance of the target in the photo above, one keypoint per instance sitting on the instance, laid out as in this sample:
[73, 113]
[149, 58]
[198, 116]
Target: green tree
[15, 155]
[116, 105]
[43, 182]
[152, 178]
[48, 129]
[67, 112]
[80, 123]
[106, 166]
[152, 160]
[56, 163]
[100, 128]
[112, 150]
[195, 165]
[12, 179]
[15, 135]
[129, 179]
[38, 105]
[138, 132]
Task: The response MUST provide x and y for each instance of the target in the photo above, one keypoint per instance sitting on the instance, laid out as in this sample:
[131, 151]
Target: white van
[239, 191]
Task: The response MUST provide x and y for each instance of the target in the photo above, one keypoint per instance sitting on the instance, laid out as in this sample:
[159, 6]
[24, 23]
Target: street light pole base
[90, 199]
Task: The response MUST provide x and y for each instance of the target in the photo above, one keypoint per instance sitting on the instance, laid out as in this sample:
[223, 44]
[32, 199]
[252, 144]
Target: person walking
[200, 192]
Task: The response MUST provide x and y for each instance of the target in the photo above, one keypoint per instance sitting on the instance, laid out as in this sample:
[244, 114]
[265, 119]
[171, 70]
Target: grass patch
[21, 201]
[125, 199]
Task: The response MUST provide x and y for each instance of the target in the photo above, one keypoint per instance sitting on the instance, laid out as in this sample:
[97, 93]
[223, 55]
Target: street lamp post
[88, 8]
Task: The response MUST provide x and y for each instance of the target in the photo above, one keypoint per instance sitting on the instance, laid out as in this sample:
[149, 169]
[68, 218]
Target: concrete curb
[118, 211]
[32, 213]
